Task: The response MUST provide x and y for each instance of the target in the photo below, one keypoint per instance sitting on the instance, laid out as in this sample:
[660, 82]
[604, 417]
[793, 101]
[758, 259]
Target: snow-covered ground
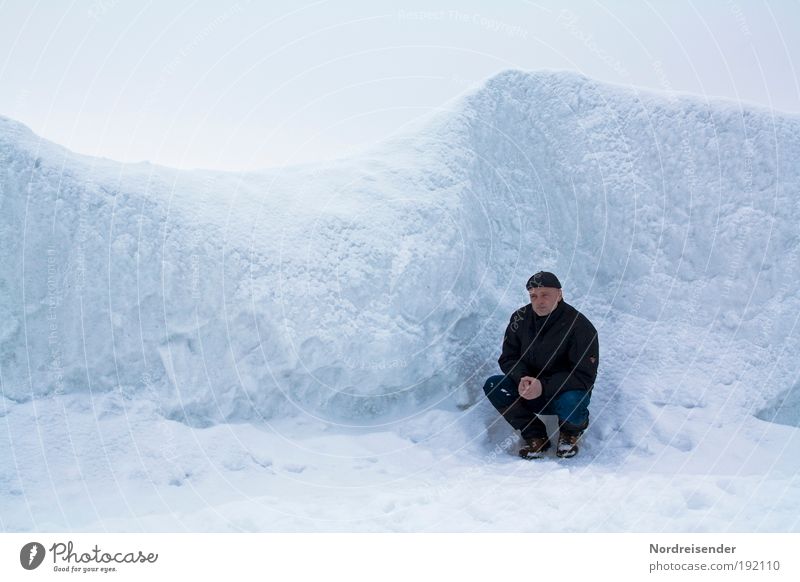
[115, 465]
[304, 348]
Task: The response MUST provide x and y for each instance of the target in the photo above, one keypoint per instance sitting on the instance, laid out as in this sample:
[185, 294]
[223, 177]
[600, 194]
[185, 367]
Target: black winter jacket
[560, 349]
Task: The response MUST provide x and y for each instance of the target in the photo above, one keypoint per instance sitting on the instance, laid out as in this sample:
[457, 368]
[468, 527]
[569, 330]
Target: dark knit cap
[543, 279]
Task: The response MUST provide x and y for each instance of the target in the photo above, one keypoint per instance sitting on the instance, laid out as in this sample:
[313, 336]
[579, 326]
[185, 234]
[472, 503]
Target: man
[550, 357]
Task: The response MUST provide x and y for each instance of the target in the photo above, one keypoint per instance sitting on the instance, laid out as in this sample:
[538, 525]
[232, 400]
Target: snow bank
[368, 288]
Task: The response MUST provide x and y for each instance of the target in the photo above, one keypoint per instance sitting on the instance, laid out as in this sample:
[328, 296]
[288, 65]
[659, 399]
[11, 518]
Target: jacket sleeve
[510, 361]
[584, 358]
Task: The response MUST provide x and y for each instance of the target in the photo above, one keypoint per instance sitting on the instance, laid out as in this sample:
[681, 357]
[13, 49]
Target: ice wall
[369, 287]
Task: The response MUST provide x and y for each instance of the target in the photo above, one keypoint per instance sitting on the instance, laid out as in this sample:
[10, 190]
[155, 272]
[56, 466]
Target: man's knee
[572, 408]
[573, 399]
[500, 391]
[493, 383]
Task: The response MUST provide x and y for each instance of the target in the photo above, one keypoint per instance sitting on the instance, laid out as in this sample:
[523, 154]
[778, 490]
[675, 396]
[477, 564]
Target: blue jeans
[571, 408]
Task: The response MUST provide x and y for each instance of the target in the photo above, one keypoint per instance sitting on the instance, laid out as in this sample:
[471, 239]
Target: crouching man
[550, 357]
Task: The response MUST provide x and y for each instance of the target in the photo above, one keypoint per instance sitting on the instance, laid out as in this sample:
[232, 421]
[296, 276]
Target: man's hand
[530, 388]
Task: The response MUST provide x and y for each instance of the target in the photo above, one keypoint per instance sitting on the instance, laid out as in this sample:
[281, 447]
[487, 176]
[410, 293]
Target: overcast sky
[239, 85]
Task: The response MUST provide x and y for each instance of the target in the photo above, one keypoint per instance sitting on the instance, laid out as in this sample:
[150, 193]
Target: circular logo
[31, 555]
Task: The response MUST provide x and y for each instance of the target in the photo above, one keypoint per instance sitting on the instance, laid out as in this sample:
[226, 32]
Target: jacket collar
[542, 322]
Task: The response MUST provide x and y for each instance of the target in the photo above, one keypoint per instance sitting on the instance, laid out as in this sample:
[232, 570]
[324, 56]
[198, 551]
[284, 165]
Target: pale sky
[248, 84]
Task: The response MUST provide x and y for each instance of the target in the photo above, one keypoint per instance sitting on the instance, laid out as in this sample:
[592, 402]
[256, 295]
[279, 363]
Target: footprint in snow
[698, 500]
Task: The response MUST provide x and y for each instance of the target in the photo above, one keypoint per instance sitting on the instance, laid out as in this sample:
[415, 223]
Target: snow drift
[373, 287]
[278, 309]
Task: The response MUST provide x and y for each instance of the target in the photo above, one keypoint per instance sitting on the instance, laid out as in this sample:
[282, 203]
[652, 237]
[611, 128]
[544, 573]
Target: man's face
[544, 299]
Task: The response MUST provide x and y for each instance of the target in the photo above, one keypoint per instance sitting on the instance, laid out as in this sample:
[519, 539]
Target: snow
[304, 348]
